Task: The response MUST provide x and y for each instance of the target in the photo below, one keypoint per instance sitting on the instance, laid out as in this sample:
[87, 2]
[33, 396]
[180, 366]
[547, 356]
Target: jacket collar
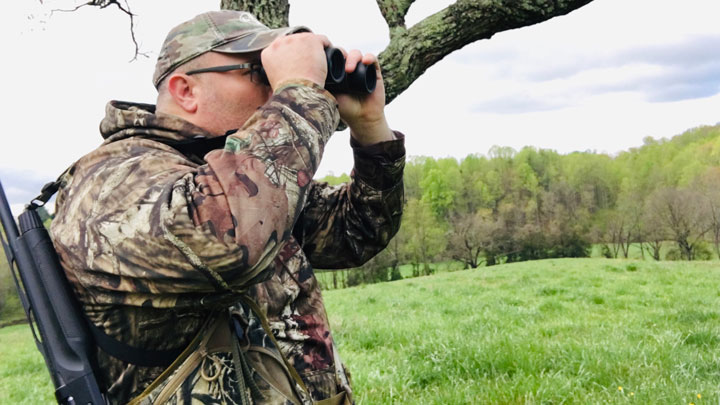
[125, 119]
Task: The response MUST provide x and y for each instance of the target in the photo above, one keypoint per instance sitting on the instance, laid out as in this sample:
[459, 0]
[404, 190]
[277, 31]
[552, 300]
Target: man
[173, 246]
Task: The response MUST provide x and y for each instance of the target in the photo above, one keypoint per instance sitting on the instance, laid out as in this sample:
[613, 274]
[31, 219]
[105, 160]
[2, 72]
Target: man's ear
[184, 91]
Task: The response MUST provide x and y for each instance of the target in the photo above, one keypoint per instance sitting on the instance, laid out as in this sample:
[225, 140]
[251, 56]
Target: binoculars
[361, 81]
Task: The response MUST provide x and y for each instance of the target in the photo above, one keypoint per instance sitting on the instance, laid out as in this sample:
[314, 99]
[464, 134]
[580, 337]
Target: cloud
[543, 80]
[666, 83]
[684, 91]
[690, 52]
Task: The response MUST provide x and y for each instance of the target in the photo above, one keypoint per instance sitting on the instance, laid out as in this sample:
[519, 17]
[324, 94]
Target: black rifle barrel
[67, 345]
[6, 217]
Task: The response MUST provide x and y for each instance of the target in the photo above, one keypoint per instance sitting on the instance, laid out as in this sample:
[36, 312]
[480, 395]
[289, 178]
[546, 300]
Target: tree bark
[394, 11]
[273, 13]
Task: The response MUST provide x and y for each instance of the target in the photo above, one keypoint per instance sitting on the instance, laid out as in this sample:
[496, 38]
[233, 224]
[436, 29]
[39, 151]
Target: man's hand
[296, 56]
[365, 114]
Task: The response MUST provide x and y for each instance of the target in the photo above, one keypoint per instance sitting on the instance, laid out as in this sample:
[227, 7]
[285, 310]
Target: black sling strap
[130, 354]
[198, 146]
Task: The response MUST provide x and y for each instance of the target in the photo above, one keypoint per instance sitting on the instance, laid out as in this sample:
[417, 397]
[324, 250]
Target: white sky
[601, 78]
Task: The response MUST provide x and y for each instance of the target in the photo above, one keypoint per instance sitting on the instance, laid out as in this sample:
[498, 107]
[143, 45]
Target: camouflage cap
[225, 31]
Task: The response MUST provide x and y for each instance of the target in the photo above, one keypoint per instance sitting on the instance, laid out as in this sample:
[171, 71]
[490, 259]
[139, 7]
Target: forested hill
[534, 203]
[677, 162]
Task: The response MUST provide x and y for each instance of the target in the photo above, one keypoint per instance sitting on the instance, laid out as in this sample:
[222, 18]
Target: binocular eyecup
[361, 81]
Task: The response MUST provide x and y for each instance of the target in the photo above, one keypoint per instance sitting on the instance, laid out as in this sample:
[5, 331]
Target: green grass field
[580, 331]
[23, 376]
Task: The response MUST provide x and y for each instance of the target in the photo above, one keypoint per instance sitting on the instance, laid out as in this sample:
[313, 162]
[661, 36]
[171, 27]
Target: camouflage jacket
[155, 237]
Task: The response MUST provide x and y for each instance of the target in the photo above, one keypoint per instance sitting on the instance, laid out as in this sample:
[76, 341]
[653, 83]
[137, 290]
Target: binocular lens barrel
[361, 81]
[335, 66]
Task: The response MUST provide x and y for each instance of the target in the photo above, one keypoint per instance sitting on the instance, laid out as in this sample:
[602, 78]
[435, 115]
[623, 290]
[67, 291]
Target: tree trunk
[656, 246]
[273, 13]
[686, 249]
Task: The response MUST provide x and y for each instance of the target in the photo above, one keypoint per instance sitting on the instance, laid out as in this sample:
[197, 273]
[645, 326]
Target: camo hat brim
[224, 31]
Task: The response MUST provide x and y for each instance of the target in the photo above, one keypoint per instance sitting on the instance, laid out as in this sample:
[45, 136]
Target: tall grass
[580, 331]
[23, 376]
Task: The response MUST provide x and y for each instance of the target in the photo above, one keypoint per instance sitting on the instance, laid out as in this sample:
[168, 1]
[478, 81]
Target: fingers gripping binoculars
[361, 81]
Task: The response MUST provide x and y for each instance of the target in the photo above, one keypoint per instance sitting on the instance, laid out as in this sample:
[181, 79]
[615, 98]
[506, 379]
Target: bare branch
[68, 10]
[106, 3]
[127, 11]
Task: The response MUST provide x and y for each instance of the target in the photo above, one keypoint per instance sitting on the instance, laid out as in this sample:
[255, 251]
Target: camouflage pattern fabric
[226, 31]
[206, 373]
[155, 240]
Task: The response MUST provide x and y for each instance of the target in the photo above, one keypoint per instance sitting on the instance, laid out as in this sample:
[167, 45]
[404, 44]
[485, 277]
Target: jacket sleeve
[141, 225]
[346, 225]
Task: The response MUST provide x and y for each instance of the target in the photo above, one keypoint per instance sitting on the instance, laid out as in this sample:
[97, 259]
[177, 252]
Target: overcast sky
[601, 78]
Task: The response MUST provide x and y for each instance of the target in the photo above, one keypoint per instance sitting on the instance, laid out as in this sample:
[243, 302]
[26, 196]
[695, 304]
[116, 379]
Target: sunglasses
[256, 71]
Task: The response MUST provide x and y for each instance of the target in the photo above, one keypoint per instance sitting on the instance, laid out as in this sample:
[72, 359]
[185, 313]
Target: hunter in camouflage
[169, 244]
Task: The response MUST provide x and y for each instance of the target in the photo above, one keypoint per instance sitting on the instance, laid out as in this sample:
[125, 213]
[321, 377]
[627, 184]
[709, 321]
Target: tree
[470, 198]
[623, 224]
[652, 231]
[425, 235]
[441, 184]
[471, 234]
[683, 213]
[500, 181]
[708, 185]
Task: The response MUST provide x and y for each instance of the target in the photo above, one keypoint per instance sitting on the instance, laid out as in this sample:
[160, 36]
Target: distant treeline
[534, 203]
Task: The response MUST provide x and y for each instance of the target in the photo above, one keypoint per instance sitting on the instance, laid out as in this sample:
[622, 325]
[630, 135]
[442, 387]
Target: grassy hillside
[581, 331]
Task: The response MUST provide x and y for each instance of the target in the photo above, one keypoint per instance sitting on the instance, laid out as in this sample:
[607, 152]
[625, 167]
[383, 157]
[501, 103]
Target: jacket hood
[124, 119]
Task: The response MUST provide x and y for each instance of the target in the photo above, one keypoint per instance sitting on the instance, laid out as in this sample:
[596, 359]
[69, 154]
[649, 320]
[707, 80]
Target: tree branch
[394, 12]
[103, 4]
[59, 10]
[127, 11]
[410, 53]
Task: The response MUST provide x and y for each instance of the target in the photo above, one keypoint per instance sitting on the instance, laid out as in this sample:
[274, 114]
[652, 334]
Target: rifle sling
[131, 354]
